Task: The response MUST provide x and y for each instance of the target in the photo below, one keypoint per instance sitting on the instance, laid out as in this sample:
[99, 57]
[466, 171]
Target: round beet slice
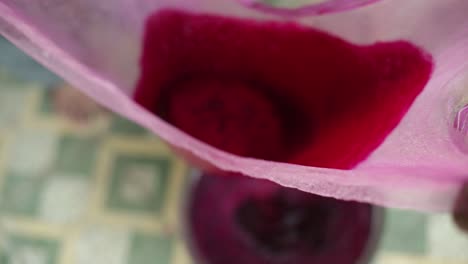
[244, 220]
[228, 115]
[276, 90]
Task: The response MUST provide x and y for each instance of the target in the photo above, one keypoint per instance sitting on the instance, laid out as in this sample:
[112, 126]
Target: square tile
[77, 154]
[33, 152]
[404, 232]
[32, 250]
[102, 245]
[138, 184]
[11, 107]
[148, 249]
[64, 199]
[291, 3]
[446, 241]
[395, 258]
[4, 258]
[20, 195]
[46, 105]
[121, 125]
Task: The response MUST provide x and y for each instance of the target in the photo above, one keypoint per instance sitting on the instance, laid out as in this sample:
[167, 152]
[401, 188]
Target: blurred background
[81, 185]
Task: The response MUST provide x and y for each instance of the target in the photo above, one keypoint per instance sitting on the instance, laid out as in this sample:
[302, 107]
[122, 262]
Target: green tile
[138, 184]
[25, 249]
[146, 249]
[405, 232]
[77, 155]
[272, 2]
[47, 104]
[20, 66]
[286, 3]
[20, 195]
[3, 258]
[121, 125]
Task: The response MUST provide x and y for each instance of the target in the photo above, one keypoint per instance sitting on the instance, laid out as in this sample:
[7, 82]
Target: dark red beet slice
[323, 101]
[244, 220]
[227, 115]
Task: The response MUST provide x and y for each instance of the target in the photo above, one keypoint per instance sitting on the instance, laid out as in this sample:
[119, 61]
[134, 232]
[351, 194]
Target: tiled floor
[109, 192]
[109, 195]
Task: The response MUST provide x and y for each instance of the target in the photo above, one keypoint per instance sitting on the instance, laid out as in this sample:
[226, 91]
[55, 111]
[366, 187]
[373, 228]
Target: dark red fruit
[242, 220]
[228, 115]
[314, 99]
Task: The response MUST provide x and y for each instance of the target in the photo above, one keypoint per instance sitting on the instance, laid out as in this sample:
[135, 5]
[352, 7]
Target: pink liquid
[277, 91]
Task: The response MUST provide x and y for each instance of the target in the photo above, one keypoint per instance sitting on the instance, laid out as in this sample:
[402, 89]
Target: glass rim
[317, 9]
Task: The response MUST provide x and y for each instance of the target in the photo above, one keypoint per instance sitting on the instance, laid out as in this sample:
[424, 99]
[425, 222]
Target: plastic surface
[96, 46]
[303, 7]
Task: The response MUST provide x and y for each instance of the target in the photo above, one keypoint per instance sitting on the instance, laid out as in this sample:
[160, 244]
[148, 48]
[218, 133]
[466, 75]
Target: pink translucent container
[422, 164]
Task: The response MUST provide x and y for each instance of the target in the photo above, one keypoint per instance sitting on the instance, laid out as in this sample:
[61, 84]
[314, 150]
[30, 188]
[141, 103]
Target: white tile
[28, 254]
[99, 245]
[445, 240]
[395, 258]
[139, 184]
[11, 106]
[32, 152]
[64, 199]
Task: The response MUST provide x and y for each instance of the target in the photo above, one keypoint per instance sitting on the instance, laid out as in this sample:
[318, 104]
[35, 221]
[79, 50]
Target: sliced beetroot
[228, 115]
[250, 221]
[317, 100]
[281, 223]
